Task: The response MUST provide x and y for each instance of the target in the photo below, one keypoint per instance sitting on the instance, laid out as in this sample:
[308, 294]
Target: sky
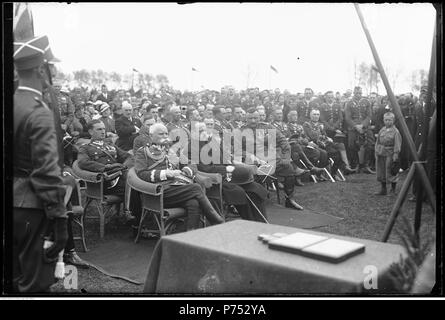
[311, 45]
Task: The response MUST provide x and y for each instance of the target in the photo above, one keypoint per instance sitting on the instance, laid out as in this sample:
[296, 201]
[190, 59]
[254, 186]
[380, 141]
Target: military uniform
[66, 108]
[409, 114]
[358, 112]
[300, 150]
[332, 118]
[284, 166]
[38, 192]
[304, 108]
[94, 157]
[316, 133]
[282, 127]
[237, 124]
[151, 163]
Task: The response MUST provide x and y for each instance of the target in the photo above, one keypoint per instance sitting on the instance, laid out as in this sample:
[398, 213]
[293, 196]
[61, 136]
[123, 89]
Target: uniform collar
[98, 142]
[24, 88]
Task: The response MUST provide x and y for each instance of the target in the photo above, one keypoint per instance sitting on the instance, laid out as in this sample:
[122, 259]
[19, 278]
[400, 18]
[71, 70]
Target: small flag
[193, 69]
[272, 67]
[134, 70]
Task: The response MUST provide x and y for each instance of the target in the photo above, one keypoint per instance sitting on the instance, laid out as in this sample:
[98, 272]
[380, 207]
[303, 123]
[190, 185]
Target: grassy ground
[364, 216]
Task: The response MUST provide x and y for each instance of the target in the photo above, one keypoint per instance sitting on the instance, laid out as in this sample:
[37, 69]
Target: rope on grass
[114, 275]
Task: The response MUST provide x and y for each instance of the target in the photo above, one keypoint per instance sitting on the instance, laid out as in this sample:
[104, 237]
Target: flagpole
[270, 79]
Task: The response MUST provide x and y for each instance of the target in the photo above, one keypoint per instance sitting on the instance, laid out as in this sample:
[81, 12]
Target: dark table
[229, 259]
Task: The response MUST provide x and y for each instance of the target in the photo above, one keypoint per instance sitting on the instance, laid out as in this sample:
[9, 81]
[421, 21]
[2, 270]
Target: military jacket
[304, 110]
[38, 182]
[315, 132]
[332, 116]
[297, 134]
[152, 161]
[282, 127]
[66, 110]
[358, 112]
[95, 155]
[260, 138]
[237, 124]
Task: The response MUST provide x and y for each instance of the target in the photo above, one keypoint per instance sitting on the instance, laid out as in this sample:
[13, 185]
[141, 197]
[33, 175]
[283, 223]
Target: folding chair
[339, 173]
[94, 194]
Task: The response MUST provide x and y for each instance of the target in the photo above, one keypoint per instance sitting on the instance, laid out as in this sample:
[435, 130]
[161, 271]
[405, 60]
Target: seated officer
[240, 192]
[284, 166]
[301, 150]
[101, 156]
[152, 164]
[314, 129]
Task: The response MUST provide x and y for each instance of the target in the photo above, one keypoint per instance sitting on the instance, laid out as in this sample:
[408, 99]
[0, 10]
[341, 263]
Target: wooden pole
[425, 131]
[405, 134]
[399, 202]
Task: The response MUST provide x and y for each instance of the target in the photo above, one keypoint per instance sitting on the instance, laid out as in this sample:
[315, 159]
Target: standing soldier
[360, 137]
[38, 205]
[408, 111]
[305, 106]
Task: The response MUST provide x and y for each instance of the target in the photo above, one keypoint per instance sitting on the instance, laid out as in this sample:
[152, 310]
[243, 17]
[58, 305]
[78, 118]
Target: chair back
[151, 193]
[94, 181]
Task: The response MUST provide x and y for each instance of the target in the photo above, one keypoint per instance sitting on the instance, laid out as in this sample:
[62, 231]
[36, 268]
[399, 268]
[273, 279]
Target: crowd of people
[322, 136]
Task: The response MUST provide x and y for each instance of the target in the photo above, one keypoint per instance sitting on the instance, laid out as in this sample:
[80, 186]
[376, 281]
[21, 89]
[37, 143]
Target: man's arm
[45, 176]
[85, 162]
[348, 116]
[141, 165]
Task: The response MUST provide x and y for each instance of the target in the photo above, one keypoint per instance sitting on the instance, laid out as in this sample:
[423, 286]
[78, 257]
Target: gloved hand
[60, 231]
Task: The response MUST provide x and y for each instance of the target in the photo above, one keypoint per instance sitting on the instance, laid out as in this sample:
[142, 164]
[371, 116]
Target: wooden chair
[78, 213]
[94, 194]
[152, 201]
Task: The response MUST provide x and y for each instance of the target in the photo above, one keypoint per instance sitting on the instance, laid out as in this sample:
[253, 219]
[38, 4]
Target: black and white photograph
[206, 150]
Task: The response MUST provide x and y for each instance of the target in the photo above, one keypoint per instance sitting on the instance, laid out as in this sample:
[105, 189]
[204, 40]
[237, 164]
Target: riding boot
[193, 221]
[382, 191]
[345, 160]
[210, 213]
[393, 187]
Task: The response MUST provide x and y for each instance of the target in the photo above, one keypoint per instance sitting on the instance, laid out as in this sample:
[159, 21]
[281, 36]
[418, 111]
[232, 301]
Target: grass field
[364, 216]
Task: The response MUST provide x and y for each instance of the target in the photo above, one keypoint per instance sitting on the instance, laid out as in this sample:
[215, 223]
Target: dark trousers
[30, 272]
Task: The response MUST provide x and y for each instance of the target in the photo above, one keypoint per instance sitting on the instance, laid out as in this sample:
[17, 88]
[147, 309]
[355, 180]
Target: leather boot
[298, 182]
[193, 221]
[209, 212]
[382, 191]
[393, 187]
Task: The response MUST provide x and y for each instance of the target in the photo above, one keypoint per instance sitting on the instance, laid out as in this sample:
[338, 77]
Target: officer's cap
[30, 53]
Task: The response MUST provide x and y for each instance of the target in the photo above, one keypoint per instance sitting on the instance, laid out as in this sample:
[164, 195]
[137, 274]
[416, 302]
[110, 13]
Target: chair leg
[101, 221]
[82, 232]
[143, 215]
[275, 183]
